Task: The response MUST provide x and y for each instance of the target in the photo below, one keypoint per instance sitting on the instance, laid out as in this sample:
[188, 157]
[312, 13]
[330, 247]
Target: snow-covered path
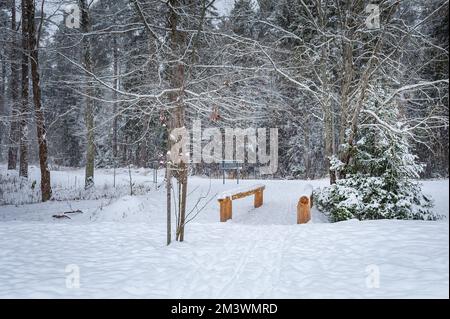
[119, 248]
[226, 261]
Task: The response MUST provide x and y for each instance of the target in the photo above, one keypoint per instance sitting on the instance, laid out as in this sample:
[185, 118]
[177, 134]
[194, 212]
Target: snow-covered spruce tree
[379, 181]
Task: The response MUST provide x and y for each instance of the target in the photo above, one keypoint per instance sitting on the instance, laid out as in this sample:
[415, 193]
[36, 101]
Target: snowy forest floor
[118, 244]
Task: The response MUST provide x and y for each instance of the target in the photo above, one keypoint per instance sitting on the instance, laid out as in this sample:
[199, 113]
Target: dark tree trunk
[23, 166]
[169, 204]
[40, 119]
[89, 111]
[2, 103]
[115, 107]
[14, 84]
[176, 119]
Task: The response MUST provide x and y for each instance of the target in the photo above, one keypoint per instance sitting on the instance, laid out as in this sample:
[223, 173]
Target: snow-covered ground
[118, 247]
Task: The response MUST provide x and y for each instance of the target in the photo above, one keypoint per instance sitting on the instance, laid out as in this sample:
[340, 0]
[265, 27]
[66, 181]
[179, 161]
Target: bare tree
[89, 108]
[24, 110]
[14, 89]
[177, 114]
[33, 39]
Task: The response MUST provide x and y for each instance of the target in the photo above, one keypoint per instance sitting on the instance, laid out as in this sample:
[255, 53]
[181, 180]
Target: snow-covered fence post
[304, 205]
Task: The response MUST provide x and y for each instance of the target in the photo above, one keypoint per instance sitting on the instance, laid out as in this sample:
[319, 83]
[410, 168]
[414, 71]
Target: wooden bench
[225, 199]
[304, 205]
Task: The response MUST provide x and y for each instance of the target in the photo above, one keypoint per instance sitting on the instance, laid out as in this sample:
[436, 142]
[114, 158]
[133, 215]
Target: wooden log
[246, 193]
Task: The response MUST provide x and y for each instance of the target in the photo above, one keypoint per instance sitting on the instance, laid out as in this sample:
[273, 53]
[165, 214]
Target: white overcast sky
[224, 6]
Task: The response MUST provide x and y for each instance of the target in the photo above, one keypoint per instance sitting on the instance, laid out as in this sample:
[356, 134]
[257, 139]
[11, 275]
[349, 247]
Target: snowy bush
[16, 190]
[379, 182]
[374, 197]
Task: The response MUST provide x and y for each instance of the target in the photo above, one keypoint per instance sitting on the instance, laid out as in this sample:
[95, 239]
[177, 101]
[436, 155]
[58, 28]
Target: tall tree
[14, 89]
[33, 40]
[24, 110]
[89, 107]
[4, 21]
[177, 120]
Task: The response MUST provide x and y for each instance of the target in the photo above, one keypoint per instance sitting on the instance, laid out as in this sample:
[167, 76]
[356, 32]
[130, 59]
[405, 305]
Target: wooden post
[229, 208]
[258, 198]
[303, 210]
[222, 204]
[225, 209]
